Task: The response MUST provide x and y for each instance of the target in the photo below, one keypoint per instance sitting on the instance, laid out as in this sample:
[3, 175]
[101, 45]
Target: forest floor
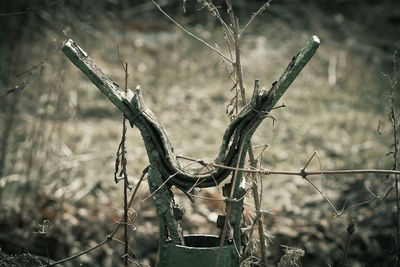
[61, 159]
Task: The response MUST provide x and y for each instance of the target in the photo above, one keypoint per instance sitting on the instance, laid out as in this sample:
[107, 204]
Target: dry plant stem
[239, 76]
[122, 153]
[332, 172]
[229, 206]
[257, 204]
[306, 173]
[126, 184]
[236, 41]
[191, 34]
[395, 155]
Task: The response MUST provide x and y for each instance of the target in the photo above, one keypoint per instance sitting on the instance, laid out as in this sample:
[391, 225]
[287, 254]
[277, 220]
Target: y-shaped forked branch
[156, 140]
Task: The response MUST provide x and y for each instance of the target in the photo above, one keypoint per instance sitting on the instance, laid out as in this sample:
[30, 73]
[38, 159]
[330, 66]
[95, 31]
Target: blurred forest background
[59, 134]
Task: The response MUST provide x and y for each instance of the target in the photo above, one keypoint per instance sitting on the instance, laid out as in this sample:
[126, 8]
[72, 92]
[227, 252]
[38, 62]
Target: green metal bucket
[199, 251]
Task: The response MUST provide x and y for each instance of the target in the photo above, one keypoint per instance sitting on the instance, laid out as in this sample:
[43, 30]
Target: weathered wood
[293, 69]
[237, 134]
[163, 199]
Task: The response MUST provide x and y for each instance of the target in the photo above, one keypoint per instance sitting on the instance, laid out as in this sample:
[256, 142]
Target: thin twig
[333, 172]
[163, 184]
[30, 70]
[259, 11]
[295, 173]
[126, 183]
[320, 168]
[123, 165]
[80, 253]
[236, 42]
[309, 160]
[191, 34]
[17, 88]
[239, 76]
[138, 184]
[33, 73]
[343, 211]
[307, 173]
